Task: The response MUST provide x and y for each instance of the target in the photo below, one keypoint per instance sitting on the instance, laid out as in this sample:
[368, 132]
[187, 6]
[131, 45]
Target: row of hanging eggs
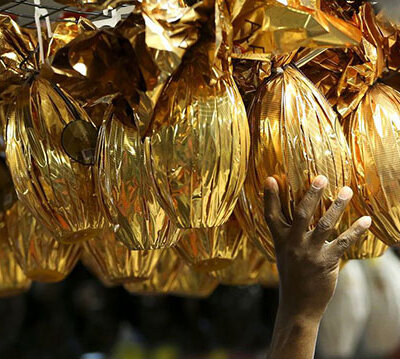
[188, 174]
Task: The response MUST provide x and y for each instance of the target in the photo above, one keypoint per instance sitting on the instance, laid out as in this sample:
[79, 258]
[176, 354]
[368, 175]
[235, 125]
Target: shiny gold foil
[296, 136]
[57, 190]
[116, 263]
[66, 31]
[265, 28]
[373, 138]
[13, 281]
[41, 257]
[198, 144]
[17, 57]
[163, 277]
[209, 249]
[245, 268]
[90, 263]
[190, 283]
[123, 187]
[95, 66]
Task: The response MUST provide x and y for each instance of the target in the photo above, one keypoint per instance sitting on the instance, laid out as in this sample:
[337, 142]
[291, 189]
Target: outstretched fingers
[328, 222]
[308, 205]
[342, 243]
[272, 208]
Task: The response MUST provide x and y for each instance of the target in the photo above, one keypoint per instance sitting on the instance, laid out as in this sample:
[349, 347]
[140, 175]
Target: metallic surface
[245, 268]
[116, 263]
[163, 277]
[209, 249]
[126, 197]
[295, 137]
[13, 281]
[198, 147]
[41, 257]
[375, 146]
[189, 283]
[58, 191]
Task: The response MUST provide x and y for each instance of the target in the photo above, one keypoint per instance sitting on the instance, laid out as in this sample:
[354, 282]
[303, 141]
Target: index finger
[308, 205]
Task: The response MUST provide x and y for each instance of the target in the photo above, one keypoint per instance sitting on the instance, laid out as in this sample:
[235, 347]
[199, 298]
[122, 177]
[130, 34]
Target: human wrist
[299, 313]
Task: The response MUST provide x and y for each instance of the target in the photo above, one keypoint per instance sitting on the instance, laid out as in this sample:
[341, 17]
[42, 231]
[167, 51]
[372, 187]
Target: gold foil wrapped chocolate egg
[295, 137]
[57, 189]
[375, 145]
[13, 280]
[160, 282]
[126, 197]
[118, 264]
[41, 257]
[190, 283]
[198, 144]
[245, 268]
[209, 249]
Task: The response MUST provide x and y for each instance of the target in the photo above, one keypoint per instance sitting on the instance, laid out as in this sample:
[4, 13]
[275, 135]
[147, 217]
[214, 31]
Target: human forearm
[294, 335]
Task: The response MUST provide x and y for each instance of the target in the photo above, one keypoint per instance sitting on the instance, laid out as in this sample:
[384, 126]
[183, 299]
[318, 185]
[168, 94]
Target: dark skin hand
[308, 266]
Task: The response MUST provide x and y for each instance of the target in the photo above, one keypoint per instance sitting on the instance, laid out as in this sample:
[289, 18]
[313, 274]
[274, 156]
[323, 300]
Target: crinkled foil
[266, 28]
[245, 268]
[374, 142]
[198, 145]
[41, 257]
[59, 191]
[17, 57]
[96, 65]
[13, 281]
[210, 249]
[90, 263]
[295, 137]
[163, 277]
[125, 196]
[189, 283]
[249, 75]
[116, 263]
[66, 31]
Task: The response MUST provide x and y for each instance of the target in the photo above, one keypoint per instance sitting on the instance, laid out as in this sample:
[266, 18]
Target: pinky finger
[342, 243]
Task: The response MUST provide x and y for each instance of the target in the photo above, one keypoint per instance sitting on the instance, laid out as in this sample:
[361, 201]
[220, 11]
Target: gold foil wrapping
[116, 263]
[13, 281]
[41, 257]
[373, 138]
[163, 277]
[265, 28]
[90, 263]
[190, 283]
[209, 249]
[123, 186]
[17, 58]
[198, 146]
[296, 136]
[57, 190]
[245, 268]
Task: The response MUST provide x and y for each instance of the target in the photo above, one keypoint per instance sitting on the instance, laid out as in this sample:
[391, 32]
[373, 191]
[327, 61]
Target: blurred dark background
[80, 316]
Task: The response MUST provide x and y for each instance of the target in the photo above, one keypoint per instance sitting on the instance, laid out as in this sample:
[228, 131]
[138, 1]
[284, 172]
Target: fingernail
[320, 182]
[272, 184]
[365, 222]
[345, 193]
